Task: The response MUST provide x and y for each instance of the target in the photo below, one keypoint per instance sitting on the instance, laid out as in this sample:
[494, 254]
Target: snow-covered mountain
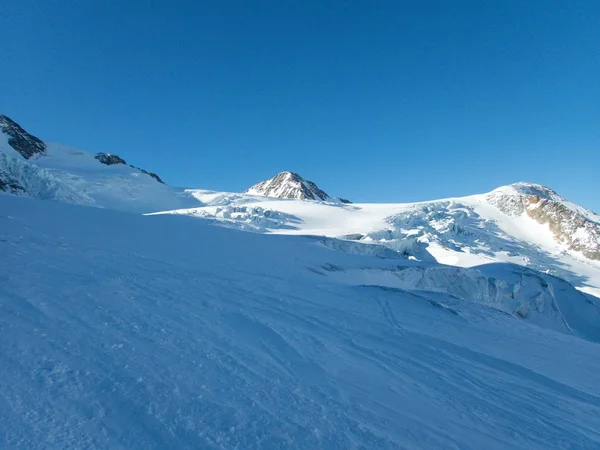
[454, 323]
[289, 185]
[50, 171]
[523, 223]
[550, 235]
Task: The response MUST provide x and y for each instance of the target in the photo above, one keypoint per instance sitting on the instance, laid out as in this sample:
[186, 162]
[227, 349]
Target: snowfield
[71, 175]
[128, 331]
[463, 232]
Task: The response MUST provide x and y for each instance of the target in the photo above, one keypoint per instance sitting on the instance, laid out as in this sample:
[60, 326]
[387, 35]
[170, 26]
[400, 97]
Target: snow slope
[118, 186]
[57, 172]
[128, 331]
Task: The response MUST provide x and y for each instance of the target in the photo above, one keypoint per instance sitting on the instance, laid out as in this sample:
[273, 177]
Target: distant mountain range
[524, 223]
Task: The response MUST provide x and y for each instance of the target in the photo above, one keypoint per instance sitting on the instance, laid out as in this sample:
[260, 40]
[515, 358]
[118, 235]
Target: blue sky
[375, 101]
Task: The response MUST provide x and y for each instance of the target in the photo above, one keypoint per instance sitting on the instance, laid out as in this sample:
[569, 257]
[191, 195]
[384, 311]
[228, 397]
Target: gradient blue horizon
[374, 101]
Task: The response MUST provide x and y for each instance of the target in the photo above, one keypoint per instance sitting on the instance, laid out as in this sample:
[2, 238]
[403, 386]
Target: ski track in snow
[121, 331]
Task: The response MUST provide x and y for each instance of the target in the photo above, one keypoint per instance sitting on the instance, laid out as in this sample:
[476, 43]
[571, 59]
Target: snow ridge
[31, 167]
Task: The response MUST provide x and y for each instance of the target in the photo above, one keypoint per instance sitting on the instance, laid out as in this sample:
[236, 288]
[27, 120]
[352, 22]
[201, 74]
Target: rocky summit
[289, 185]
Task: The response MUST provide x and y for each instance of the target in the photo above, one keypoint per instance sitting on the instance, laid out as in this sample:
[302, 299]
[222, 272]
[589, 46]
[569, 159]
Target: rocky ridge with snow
[34, 168]
[571, 225]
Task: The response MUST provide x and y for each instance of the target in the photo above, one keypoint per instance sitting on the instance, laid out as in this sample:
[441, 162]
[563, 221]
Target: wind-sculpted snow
[173, 334]
[357, 248]
[248, 218]
[541, 299]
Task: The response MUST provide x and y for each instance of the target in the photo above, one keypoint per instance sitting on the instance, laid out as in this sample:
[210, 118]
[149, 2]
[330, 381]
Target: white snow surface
[128, 331]
[464, 232]
[71, 175]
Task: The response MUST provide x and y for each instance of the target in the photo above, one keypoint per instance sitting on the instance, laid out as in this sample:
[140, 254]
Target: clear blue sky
[375, 101]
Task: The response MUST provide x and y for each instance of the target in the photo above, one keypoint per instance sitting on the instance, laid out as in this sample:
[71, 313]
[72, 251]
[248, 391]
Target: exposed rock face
[109, 159]
[20, 140]
[572, 226]
[152, 174]
[289, 185]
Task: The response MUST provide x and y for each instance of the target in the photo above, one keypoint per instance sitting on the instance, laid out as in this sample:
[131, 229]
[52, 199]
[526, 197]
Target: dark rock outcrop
[110, 159]
[152, 174]
[26, 144]
[289, 185]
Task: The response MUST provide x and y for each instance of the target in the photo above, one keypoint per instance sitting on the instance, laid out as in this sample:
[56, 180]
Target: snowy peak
[514, 199]
[20, 140]
[289, 185]
[528, 189]
[537, 190]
